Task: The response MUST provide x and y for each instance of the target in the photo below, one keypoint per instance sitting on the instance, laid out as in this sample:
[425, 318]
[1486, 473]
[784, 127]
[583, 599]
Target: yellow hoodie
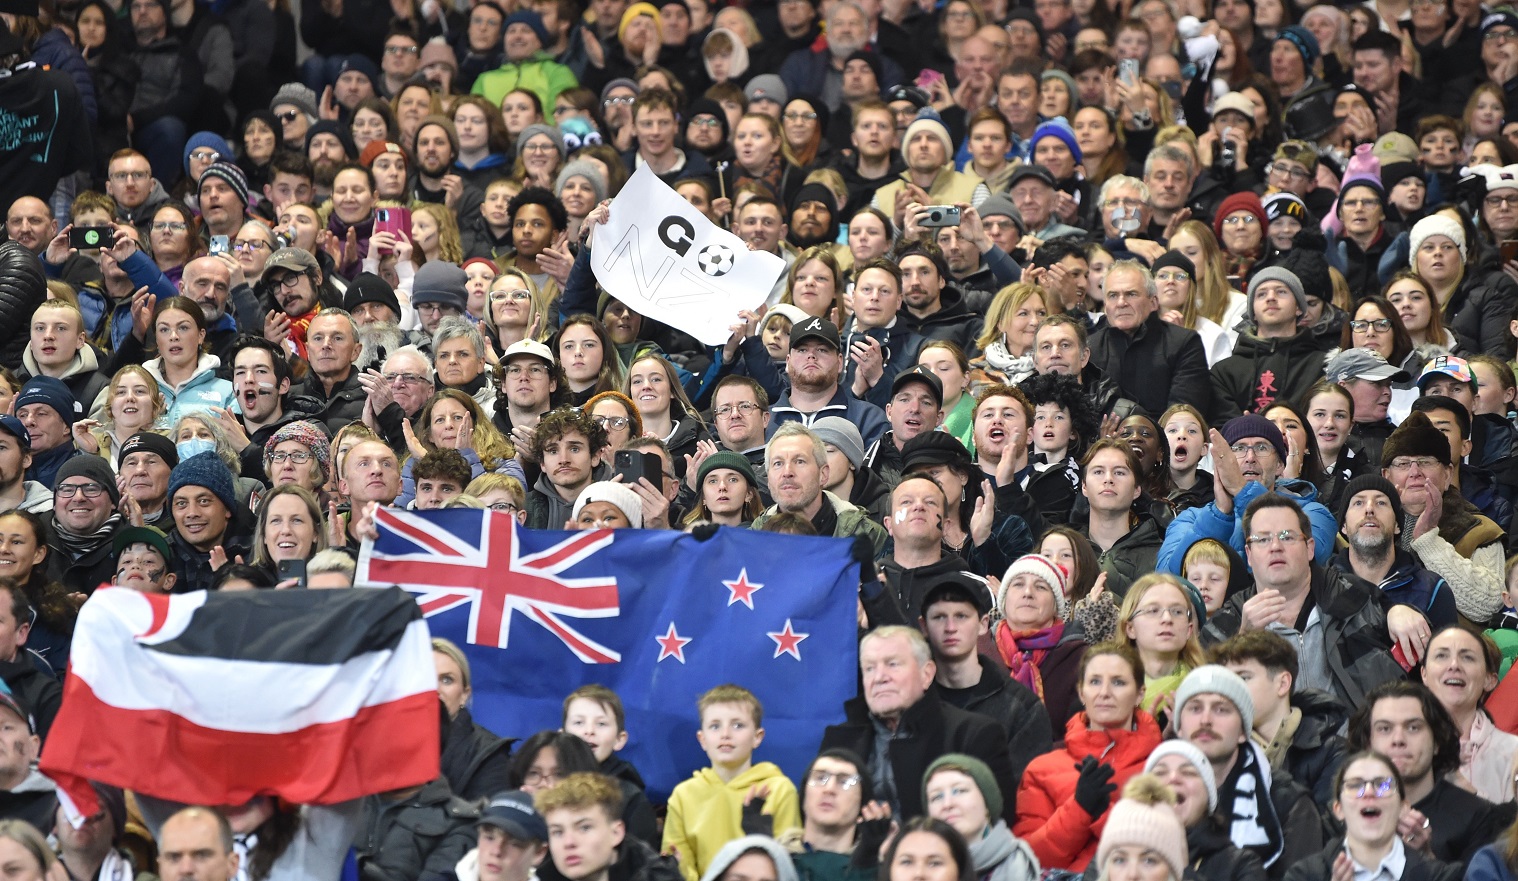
[705, 813]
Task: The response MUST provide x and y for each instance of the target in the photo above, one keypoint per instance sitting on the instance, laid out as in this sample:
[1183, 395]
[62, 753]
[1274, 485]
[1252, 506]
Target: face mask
[194, 446]
[1124, 221]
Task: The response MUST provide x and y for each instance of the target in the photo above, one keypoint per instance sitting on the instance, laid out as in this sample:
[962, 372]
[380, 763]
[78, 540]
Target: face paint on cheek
[154, 574]
[900, 516]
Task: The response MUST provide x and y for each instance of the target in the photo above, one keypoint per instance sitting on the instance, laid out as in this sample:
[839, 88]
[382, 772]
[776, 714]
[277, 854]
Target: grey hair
[224, 450]
[413, 350]
[454, 327]
[848, 4]
[796, 429]
[919, 643]
[1170, 153]
[1122, 180]
[333, 312]
[1132, 266]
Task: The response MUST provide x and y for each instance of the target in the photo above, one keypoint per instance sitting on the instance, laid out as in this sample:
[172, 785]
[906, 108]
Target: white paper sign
[666, 261]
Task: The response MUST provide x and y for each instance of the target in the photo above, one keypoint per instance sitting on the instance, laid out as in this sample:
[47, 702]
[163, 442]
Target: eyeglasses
[401, 50]
[1501, 201]
[727, 410]
[1241, 220]
[1380, 787]
[68, 490]
[1285, 537]
[540, 148]
[820, 779]
[801, 115]
[1361, 325]
[539, 778]
[249, 246]
[405, 378]
[706, 122]
[1171, 275]
[205, 155]
[130, 175]
[169, 226]
[1404, 463]
[619, 101]
[617, 422]
[290, 281]
[508, 507]
[1178, 613]
[299, 457]
[1260, 449]
[536, 371]
[503, 296]
[288, 115]
[1494, 35]
[1285, 170]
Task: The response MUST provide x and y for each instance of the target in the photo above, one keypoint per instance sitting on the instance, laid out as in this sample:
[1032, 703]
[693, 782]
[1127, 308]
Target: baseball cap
[1445, 365]
[513, 813]
[1024, 172]
[527, 347]
[1362, 364]
[293, 259]
[923, 375]
[145, 535]
[13, 427]
[9, 701]
[816, 328]
[962, 584]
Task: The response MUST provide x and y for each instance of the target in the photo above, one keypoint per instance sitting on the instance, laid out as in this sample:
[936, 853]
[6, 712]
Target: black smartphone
[633, 464]
[1509, 251]
[289, 569]
[87, 238]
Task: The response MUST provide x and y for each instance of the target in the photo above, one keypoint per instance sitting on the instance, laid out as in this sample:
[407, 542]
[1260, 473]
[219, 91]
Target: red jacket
[1060, 831]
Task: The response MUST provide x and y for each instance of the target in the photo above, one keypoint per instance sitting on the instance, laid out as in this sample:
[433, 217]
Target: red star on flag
[741, 590]
[672, 644]
[787, 641]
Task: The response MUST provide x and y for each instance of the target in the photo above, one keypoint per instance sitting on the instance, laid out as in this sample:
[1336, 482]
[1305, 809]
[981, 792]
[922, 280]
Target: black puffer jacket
[1158, 365]
[1479, 310]
[474, 758]
[953, 321]
[1261, 372]
[1419, 867]
[1012, 704]
[23, 287]
[1316, 750]
[420, 838]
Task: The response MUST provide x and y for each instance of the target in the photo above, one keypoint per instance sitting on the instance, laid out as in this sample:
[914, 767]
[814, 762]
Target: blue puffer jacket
[1194, 524]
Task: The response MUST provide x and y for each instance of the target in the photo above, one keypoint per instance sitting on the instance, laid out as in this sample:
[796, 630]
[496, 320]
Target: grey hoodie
[38, 498]
[785, 870]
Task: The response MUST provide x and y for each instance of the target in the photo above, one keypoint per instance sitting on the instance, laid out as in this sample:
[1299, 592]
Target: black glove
[869, 835]
[863, 553]
[1094, 788]
[756, 821]
[704, 531]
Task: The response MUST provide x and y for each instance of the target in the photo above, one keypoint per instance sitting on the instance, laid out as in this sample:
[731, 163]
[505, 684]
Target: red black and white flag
[315, 696]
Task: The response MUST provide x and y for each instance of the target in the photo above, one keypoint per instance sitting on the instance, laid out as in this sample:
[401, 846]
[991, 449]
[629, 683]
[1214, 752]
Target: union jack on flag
[657, 616]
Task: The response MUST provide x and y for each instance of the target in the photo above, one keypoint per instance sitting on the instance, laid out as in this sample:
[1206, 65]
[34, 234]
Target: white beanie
[1042, 568]
[1188, 751]
[932, 124]
[618, 494]
[1216, 679]
[1434, 225]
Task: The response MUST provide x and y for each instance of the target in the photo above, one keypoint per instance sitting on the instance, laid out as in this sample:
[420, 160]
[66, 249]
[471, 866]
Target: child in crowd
[1209, 565]
[705, 812]
[594, 714]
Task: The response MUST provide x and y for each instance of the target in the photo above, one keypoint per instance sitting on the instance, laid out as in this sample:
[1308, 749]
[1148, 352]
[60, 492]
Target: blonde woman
[133, 403]
[1007, 341]
[1159, 620]
[435, 234]
[1216, 300]
[515, 310]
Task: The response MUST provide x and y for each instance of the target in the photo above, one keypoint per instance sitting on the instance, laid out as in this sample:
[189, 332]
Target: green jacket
[852, 521]
[539, 74]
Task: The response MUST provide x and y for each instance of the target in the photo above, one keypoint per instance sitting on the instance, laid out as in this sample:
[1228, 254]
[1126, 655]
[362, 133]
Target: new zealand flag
[657, 616]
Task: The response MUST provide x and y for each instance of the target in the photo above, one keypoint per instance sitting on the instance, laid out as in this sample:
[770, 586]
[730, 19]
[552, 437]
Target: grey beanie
[1001, 206]
[585, 169]
[1216, 679]
[842, 434]
[539, 128]
[731, 852]
[297, 94]
[1284, 276]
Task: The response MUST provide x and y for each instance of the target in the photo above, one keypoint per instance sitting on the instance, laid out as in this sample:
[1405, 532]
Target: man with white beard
[373, 304]
[1370, 519]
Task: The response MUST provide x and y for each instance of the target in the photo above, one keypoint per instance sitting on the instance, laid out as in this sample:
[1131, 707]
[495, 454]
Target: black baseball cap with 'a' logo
[816, 328]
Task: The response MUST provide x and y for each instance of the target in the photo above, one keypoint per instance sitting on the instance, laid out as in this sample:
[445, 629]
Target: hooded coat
[1261, 372]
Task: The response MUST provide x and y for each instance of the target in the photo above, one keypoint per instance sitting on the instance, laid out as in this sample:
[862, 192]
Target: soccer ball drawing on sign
[716, 260]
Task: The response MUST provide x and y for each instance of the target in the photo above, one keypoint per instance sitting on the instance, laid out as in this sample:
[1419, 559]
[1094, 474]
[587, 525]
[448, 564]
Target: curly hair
[557, 423]
[1066, 392]
[540, 196]
[1446, 735]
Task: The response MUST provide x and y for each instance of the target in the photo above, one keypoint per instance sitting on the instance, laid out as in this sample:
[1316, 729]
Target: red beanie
[1245, 201]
